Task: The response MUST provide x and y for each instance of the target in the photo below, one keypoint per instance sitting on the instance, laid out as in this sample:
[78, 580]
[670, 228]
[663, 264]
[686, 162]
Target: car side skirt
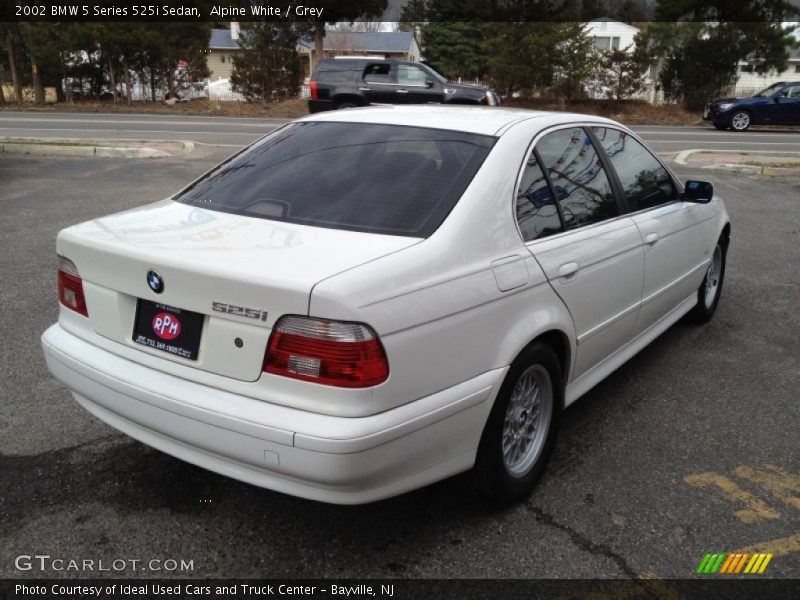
[596, 374]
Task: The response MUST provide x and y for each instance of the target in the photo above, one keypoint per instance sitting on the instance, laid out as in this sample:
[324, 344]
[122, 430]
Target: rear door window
[385, 179]
[378, 73]
[537, 214]
[577, 175]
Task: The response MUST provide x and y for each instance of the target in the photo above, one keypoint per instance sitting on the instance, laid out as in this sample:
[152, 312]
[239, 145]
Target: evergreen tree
[702, 42]
[575, 60]
[269, 68]
[623, 69]
[457, 49]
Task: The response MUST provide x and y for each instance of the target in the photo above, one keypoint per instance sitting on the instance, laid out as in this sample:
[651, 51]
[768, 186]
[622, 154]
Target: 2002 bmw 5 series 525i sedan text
[367, 301]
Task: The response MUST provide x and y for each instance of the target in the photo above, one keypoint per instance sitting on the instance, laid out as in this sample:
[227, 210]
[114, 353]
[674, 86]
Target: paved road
[240, 131]
[689, 448]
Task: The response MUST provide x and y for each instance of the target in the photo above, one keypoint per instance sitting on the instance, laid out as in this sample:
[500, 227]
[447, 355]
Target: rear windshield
[362, 177]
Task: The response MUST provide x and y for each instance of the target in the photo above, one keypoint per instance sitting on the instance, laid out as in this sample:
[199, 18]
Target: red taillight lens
[312, 89]
[330, 352]
[70, 286]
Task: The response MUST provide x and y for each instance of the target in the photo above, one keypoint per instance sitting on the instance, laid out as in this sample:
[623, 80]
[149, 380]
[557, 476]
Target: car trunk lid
[239, 273]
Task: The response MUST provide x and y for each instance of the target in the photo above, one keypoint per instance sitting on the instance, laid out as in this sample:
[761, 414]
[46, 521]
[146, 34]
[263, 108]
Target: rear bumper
[331, 459]
[315, 106]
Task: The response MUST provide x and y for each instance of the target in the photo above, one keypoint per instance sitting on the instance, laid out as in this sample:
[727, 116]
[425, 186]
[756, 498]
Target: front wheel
[740, 120]
[521, 430]
[710, 290]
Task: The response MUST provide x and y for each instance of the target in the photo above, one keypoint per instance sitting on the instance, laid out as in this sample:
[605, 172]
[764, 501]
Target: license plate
[168, 329]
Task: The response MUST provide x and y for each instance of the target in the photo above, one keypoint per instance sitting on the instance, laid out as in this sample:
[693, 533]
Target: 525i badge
[239, 311]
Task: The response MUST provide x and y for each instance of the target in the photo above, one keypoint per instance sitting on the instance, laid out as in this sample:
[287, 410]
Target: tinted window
[363, 177]
[578, 177]
[377, 73]
[336, 71]
[536, 210]
[645, 181]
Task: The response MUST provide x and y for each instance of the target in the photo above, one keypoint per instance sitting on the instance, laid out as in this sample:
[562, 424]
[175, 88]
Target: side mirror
[428, 82]
[700, 192]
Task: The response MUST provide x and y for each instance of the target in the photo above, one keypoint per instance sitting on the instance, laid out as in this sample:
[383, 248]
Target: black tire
[492, 476]
[707, 303]
[741, 120]
[720, 126]
[346, 104]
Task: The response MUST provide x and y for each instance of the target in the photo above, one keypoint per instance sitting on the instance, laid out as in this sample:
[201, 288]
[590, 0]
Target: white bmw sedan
[366, 301]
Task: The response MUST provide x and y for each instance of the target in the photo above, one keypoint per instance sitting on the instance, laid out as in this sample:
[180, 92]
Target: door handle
[402, 91]
[568, 270]
[362, 89]
[651, 238]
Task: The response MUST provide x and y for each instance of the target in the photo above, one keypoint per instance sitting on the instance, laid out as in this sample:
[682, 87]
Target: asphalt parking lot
[692, 447]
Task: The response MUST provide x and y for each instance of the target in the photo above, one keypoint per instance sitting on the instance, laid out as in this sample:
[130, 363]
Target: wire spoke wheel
[526, 420]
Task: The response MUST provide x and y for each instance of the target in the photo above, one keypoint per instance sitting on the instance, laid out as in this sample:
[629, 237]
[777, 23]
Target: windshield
[771, 90]
[362, 177]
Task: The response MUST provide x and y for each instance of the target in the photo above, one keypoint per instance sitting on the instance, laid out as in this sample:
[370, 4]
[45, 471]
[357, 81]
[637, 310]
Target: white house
[610, 34]
[750, 82]
[222, 47]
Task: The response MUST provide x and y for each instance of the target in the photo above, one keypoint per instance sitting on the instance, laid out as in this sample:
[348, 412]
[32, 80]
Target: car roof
[484, 120]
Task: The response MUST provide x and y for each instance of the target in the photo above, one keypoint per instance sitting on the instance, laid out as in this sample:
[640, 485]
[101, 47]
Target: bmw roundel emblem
[155, 282]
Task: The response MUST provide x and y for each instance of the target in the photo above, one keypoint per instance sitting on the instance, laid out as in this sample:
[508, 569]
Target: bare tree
[357, 27]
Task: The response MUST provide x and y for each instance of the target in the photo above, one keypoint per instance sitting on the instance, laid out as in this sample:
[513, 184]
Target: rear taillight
[330, 352]
[70, 286]
[312, 89]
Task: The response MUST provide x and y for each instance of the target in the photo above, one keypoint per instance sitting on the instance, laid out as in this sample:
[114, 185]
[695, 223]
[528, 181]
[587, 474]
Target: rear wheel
[740, 120]
[346, 104]
[720, 125]
[521, 430]
[710, 290]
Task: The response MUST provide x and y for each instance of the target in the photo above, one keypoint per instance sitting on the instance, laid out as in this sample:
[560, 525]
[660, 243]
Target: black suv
[345, 82]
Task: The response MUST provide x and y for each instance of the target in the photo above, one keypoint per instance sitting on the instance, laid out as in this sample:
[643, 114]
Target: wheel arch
[726, 235]
[558, 340]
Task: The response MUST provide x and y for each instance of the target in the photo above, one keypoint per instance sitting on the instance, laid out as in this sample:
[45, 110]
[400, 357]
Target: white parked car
[367, 301]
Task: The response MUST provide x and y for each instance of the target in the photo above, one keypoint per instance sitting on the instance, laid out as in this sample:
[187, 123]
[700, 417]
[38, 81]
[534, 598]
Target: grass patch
[630, 112]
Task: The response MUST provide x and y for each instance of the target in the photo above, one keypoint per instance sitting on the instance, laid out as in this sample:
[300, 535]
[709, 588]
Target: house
[222, 47]
[750, 82]
[609, 34]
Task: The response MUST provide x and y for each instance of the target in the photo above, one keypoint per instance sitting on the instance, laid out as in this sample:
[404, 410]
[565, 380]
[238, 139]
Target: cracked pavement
[616, 501]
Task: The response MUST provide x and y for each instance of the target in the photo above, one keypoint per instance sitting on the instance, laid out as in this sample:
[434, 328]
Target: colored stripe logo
[728, 563]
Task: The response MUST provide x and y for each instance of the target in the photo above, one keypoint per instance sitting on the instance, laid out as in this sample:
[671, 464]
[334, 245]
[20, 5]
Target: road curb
[89, 148]
[769, 169]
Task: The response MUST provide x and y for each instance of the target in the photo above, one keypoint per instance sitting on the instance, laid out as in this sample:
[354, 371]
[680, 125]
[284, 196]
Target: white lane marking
[706, 133]
[133, 122]
[653, 142]
[33, 132]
